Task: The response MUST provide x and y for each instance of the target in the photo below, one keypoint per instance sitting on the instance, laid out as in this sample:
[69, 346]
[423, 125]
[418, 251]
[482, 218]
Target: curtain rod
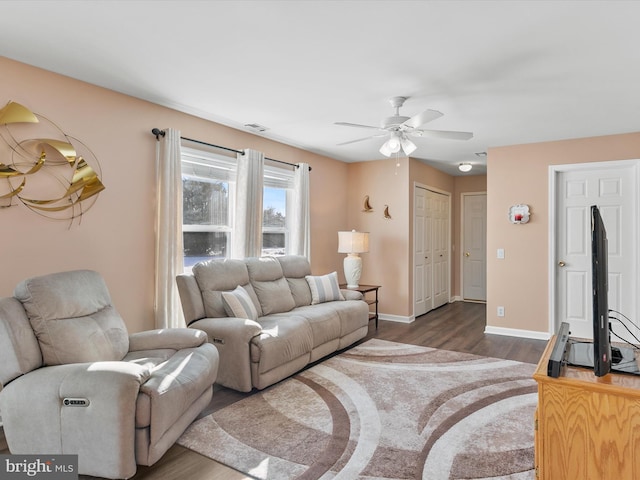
[160, 133]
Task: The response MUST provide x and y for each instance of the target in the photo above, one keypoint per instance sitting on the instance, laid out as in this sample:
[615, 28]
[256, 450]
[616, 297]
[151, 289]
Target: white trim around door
[554, 172]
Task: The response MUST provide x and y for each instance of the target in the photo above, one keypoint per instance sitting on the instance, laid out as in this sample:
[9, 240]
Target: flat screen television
[599, 286]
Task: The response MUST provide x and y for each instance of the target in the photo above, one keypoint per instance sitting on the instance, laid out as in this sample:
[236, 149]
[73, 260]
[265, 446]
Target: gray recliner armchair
[73, 381]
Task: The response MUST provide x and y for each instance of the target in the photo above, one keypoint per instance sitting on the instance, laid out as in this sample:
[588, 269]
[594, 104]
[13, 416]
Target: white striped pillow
[324, 288]
[238, 303]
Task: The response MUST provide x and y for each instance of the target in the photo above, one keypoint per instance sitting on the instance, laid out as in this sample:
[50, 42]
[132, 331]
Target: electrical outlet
[501, 311]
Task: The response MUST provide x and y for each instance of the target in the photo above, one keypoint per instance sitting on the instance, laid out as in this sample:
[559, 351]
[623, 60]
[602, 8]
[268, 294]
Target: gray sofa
[281, 319]
[73, 381]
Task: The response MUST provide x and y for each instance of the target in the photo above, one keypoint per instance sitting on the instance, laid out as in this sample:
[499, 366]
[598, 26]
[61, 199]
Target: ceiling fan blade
[362, 139]
[444, 134]
[422, 118]
[357, 125]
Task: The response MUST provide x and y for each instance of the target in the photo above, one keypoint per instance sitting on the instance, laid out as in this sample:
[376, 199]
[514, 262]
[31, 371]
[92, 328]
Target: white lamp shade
[408, 146]
[394, 144]
[384, 149]
[465, 167]
[389, 148]
[397, 142]
[353, 242]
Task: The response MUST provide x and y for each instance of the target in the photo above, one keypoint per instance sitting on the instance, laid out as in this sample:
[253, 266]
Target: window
[276, 203]
[208, 182]
[207, 205]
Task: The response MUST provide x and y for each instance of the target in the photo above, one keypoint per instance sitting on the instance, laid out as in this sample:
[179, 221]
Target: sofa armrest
[228, 329]
[174, 338]
[232, 337]
[43, 423]
[351, 294]
[190, 297]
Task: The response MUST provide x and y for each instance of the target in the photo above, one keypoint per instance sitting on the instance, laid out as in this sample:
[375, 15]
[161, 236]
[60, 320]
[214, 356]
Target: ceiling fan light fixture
[407, 146]
[391, 146]
[394, 143]
[397, 142]
[465, 167]
[385, 150]
[399, 126]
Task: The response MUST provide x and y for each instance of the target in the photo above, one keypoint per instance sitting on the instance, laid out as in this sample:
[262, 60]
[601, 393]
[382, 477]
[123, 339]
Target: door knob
[561, 263]
[467, 254]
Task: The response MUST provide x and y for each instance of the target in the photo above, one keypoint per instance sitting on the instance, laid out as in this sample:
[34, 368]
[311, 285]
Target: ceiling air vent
[256, 127]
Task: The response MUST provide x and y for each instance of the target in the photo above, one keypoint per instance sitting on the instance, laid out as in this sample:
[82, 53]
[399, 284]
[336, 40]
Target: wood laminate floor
[457, 326]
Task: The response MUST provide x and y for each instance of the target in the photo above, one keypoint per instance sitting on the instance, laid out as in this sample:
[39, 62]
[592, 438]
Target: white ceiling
[511, 72]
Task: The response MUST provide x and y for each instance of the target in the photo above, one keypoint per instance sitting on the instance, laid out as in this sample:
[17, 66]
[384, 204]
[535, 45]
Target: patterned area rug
[382, 410]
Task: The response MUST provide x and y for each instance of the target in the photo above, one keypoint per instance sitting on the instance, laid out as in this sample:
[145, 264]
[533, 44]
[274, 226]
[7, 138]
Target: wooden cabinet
[587, 427]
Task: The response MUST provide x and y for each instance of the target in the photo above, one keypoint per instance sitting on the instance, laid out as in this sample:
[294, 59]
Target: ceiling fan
[398, 128]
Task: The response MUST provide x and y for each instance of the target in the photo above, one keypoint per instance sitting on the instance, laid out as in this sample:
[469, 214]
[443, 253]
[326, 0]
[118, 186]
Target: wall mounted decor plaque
[51, 173]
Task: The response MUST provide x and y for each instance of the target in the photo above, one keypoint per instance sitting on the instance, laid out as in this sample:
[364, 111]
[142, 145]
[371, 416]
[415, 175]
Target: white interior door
[423, 301]
[474, 247]
[613, 189]
[440, 239]
[431, 250]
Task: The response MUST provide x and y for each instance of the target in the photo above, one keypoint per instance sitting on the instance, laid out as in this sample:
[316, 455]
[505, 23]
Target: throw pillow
[324, 288]
[238, 303]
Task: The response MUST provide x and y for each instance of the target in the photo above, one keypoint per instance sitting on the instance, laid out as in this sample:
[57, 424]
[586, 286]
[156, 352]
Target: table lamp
[352, 243]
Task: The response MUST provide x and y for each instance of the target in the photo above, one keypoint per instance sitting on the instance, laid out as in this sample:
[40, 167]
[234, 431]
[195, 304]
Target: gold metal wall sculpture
[54, 174]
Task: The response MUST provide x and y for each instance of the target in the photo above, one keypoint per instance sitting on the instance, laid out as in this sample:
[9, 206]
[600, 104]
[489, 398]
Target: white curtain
[247, 234]
[168, 251]
[300, 241]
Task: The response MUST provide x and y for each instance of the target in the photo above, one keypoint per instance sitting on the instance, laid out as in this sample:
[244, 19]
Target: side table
[364, 289]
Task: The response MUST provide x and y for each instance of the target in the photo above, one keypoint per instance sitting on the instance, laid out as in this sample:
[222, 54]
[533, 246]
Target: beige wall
[386, 262]
[116, 236]
[390, 261]
[520, 174]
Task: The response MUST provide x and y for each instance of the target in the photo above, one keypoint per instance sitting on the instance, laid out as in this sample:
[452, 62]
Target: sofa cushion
[270, 285]
[217, 276]
[72, 317]
[354, 314]
[324, 288]
[237, 303]
[323, 319]
[283, 339]
[19, 349]
[295, 268]
[274, 296]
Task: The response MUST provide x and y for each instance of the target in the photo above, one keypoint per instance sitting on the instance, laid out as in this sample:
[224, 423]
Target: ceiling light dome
[465, 167]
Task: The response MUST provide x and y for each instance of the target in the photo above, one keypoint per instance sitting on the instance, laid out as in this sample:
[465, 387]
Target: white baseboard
[396, 318]
[516, 332]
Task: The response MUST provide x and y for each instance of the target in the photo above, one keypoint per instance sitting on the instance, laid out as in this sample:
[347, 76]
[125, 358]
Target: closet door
[440, 242]
[423, 260]
[431, 250]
